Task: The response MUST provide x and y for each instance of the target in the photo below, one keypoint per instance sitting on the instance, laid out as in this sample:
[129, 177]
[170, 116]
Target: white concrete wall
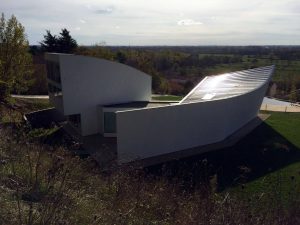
[88, 82]
[156, 131]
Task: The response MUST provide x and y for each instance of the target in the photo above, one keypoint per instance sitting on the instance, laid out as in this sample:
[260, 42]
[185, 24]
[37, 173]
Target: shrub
[3, 90]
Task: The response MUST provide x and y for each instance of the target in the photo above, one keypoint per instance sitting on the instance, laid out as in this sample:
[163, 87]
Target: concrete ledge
[44, 118]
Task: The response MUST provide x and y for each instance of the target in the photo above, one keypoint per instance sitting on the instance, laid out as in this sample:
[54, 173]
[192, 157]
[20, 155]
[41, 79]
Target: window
[53, 71]
[110, 122]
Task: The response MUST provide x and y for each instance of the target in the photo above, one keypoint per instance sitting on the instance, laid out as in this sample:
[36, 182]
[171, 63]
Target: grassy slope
[265, 160]
[275, 141]
[283, 141]
[281, 132]
[16, 107]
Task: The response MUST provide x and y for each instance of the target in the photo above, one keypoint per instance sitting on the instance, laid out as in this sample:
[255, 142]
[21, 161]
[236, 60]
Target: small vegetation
[254, 182]
[14, 108]
[166, 98]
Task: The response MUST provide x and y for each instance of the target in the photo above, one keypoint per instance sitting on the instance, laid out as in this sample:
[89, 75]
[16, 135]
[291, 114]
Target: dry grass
[43, 185]
[40, 184]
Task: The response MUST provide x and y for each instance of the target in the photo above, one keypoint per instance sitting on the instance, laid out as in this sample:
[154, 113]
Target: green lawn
[14, 109]
[167, 98]
[278, 169]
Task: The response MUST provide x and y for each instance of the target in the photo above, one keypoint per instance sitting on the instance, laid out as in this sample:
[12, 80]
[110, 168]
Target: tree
[15, 59]
[50, 43]
[121, 57]
[64, 43]
[293, 93]
[97, 50]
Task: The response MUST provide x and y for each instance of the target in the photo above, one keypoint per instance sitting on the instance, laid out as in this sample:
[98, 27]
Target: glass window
[53, 71]
[110, 122]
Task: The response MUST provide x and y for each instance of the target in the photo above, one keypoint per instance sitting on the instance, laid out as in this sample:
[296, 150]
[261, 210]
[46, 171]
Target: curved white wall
[156, 131]
[88, 82]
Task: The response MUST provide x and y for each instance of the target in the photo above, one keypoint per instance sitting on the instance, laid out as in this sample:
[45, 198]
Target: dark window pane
[53, 71]
[110, 122]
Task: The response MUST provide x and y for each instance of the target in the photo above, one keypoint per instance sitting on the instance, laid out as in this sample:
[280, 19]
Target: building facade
[78, 85]
[114, 100]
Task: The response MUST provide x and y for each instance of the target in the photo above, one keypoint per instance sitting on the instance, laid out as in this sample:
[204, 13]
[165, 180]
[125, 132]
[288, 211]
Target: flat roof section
[137, 105]
[229, 84]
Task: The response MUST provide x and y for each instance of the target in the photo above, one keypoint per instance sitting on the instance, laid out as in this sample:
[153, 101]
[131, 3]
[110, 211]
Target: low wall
[157, 131]
[280, 108]
[44, 118]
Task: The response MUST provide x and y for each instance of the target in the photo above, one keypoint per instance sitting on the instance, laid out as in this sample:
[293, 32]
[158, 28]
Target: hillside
[254, 182]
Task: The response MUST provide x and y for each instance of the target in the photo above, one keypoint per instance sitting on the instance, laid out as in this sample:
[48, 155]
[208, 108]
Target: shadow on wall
[264, 150]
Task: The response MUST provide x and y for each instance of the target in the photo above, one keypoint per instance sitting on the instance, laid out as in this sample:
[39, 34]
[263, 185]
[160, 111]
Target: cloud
[107, 10]
[118, 21]
[188, 22]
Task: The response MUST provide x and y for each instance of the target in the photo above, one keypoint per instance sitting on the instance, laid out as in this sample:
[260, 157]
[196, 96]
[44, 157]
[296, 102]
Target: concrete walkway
[273, 101]
[278, 108]
[276, 105]
[31, 96]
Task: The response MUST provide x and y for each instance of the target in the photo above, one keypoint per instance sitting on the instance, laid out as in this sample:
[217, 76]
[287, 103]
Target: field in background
[175, 70]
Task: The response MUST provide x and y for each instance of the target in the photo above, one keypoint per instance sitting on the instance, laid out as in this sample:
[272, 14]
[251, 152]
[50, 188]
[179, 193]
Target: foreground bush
[3, 90]
[44, 185]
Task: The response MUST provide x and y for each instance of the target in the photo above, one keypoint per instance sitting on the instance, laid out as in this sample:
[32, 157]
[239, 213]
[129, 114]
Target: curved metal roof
[229, 84]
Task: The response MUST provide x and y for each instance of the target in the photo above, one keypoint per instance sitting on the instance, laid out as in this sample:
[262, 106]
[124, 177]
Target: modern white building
[114, 100]
[79, 85]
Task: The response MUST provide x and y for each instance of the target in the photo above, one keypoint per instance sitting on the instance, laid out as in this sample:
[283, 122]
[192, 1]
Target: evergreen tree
[120, 57]
[50, 43]
[66, 43]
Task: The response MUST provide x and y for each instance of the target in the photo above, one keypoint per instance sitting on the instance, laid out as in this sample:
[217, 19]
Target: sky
[161, 22]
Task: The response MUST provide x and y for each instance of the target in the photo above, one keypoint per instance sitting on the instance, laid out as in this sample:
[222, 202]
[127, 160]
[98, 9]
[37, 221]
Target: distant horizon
[159, 23]
[93, 45]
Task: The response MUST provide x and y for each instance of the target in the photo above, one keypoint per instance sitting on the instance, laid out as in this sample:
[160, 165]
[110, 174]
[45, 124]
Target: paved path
[31, 96]
[272, 101]
[270, 104]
